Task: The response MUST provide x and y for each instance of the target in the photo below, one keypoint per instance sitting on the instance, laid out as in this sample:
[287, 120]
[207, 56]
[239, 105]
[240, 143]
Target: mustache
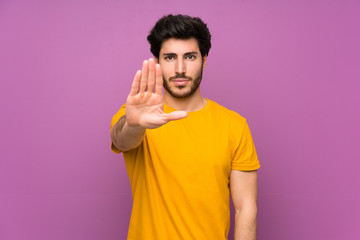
[180, 76]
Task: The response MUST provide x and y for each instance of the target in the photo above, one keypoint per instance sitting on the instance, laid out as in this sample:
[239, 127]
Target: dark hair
[179, 27]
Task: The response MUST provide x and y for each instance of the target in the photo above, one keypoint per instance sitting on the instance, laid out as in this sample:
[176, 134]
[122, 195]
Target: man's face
[182, 65]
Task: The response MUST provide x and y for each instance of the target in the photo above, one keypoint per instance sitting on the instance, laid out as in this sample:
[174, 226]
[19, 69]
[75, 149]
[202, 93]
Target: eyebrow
[186, 54]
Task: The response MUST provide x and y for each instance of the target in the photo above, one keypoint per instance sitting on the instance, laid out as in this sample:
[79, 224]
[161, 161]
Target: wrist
[134, 127]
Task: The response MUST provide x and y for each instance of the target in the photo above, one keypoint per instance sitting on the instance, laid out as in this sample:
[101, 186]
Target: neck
[189, 104]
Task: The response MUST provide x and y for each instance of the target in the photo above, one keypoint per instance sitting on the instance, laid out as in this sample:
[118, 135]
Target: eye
[169, 58]
[190, 57]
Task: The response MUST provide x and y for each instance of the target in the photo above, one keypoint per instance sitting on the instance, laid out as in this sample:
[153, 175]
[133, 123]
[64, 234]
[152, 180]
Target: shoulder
[226, 113]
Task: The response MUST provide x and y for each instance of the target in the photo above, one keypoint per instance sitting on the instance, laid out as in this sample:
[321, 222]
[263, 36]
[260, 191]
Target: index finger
[159, 80]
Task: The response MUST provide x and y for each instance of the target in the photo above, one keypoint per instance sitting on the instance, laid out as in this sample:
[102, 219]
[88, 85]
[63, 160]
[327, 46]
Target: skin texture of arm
[243, 187]
[144, 108]
[124, 137]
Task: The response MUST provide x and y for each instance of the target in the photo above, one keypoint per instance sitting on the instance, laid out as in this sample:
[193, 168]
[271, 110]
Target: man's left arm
[243, 187]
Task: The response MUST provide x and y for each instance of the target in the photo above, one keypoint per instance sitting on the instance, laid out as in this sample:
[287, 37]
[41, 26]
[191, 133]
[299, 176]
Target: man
[184, 153]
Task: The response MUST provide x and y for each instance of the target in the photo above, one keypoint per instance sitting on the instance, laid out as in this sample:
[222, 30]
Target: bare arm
[124, 137]
[144, 108]
[243, 186]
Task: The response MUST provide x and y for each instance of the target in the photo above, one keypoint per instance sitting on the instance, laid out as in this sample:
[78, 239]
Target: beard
[194, 85]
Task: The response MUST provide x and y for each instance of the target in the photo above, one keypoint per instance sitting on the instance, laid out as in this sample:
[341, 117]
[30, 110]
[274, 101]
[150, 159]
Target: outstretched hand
[145, 103]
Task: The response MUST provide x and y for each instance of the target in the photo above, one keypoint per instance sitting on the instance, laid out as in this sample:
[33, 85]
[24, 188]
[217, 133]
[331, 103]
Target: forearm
[245, 223]
[126, 137]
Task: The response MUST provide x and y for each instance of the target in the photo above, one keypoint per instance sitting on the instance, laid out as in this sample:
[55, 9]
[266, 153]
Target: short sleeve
[114, 120]
[245, 157]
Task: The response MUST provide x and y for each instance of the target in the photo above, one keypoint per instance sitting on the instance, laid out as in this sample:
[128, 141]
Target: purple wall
[290, 67]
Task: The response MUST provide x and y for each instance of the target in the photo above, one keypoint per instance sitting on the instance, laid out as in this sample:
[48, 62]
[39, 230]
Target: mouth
[180, 81]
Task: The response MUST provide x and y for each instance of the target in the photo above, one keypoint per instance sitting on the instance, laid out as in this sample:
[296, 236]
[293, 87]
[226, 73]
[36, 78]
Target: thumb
[175, 115]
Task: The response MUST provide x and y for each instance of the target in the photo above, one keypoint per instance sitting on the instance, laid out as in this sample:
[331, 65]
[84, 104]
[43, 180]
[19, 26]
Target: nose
[180, 66]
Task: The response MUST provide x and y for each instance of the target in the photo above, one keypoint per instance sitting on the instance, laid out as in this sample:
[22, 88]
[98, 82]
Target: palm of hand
[144, 106]
[146, 110]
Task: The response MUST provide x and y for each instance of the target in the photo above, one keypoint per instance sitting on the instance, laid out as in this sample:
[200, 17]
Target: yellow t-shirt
[179, 174]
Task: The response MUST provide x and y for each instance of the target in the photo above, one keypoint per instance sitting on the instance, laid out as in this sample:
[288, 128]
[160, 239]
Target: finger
[159, 80]
[175, 115]
[136, 83]
[151, 76]
[144, 76]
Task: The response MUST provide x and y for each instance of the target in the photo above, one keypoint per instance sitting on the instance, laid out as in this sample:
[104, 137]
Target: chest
[189, 147]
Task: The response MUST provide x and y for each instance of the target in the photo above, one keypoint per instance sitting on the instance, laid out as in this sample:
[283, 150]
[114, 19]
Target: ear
[204, 62]
[156, 60]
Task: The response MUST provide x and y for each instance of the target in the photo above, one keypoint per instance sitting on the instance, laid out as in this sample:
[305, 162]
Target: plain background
[290, 67]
